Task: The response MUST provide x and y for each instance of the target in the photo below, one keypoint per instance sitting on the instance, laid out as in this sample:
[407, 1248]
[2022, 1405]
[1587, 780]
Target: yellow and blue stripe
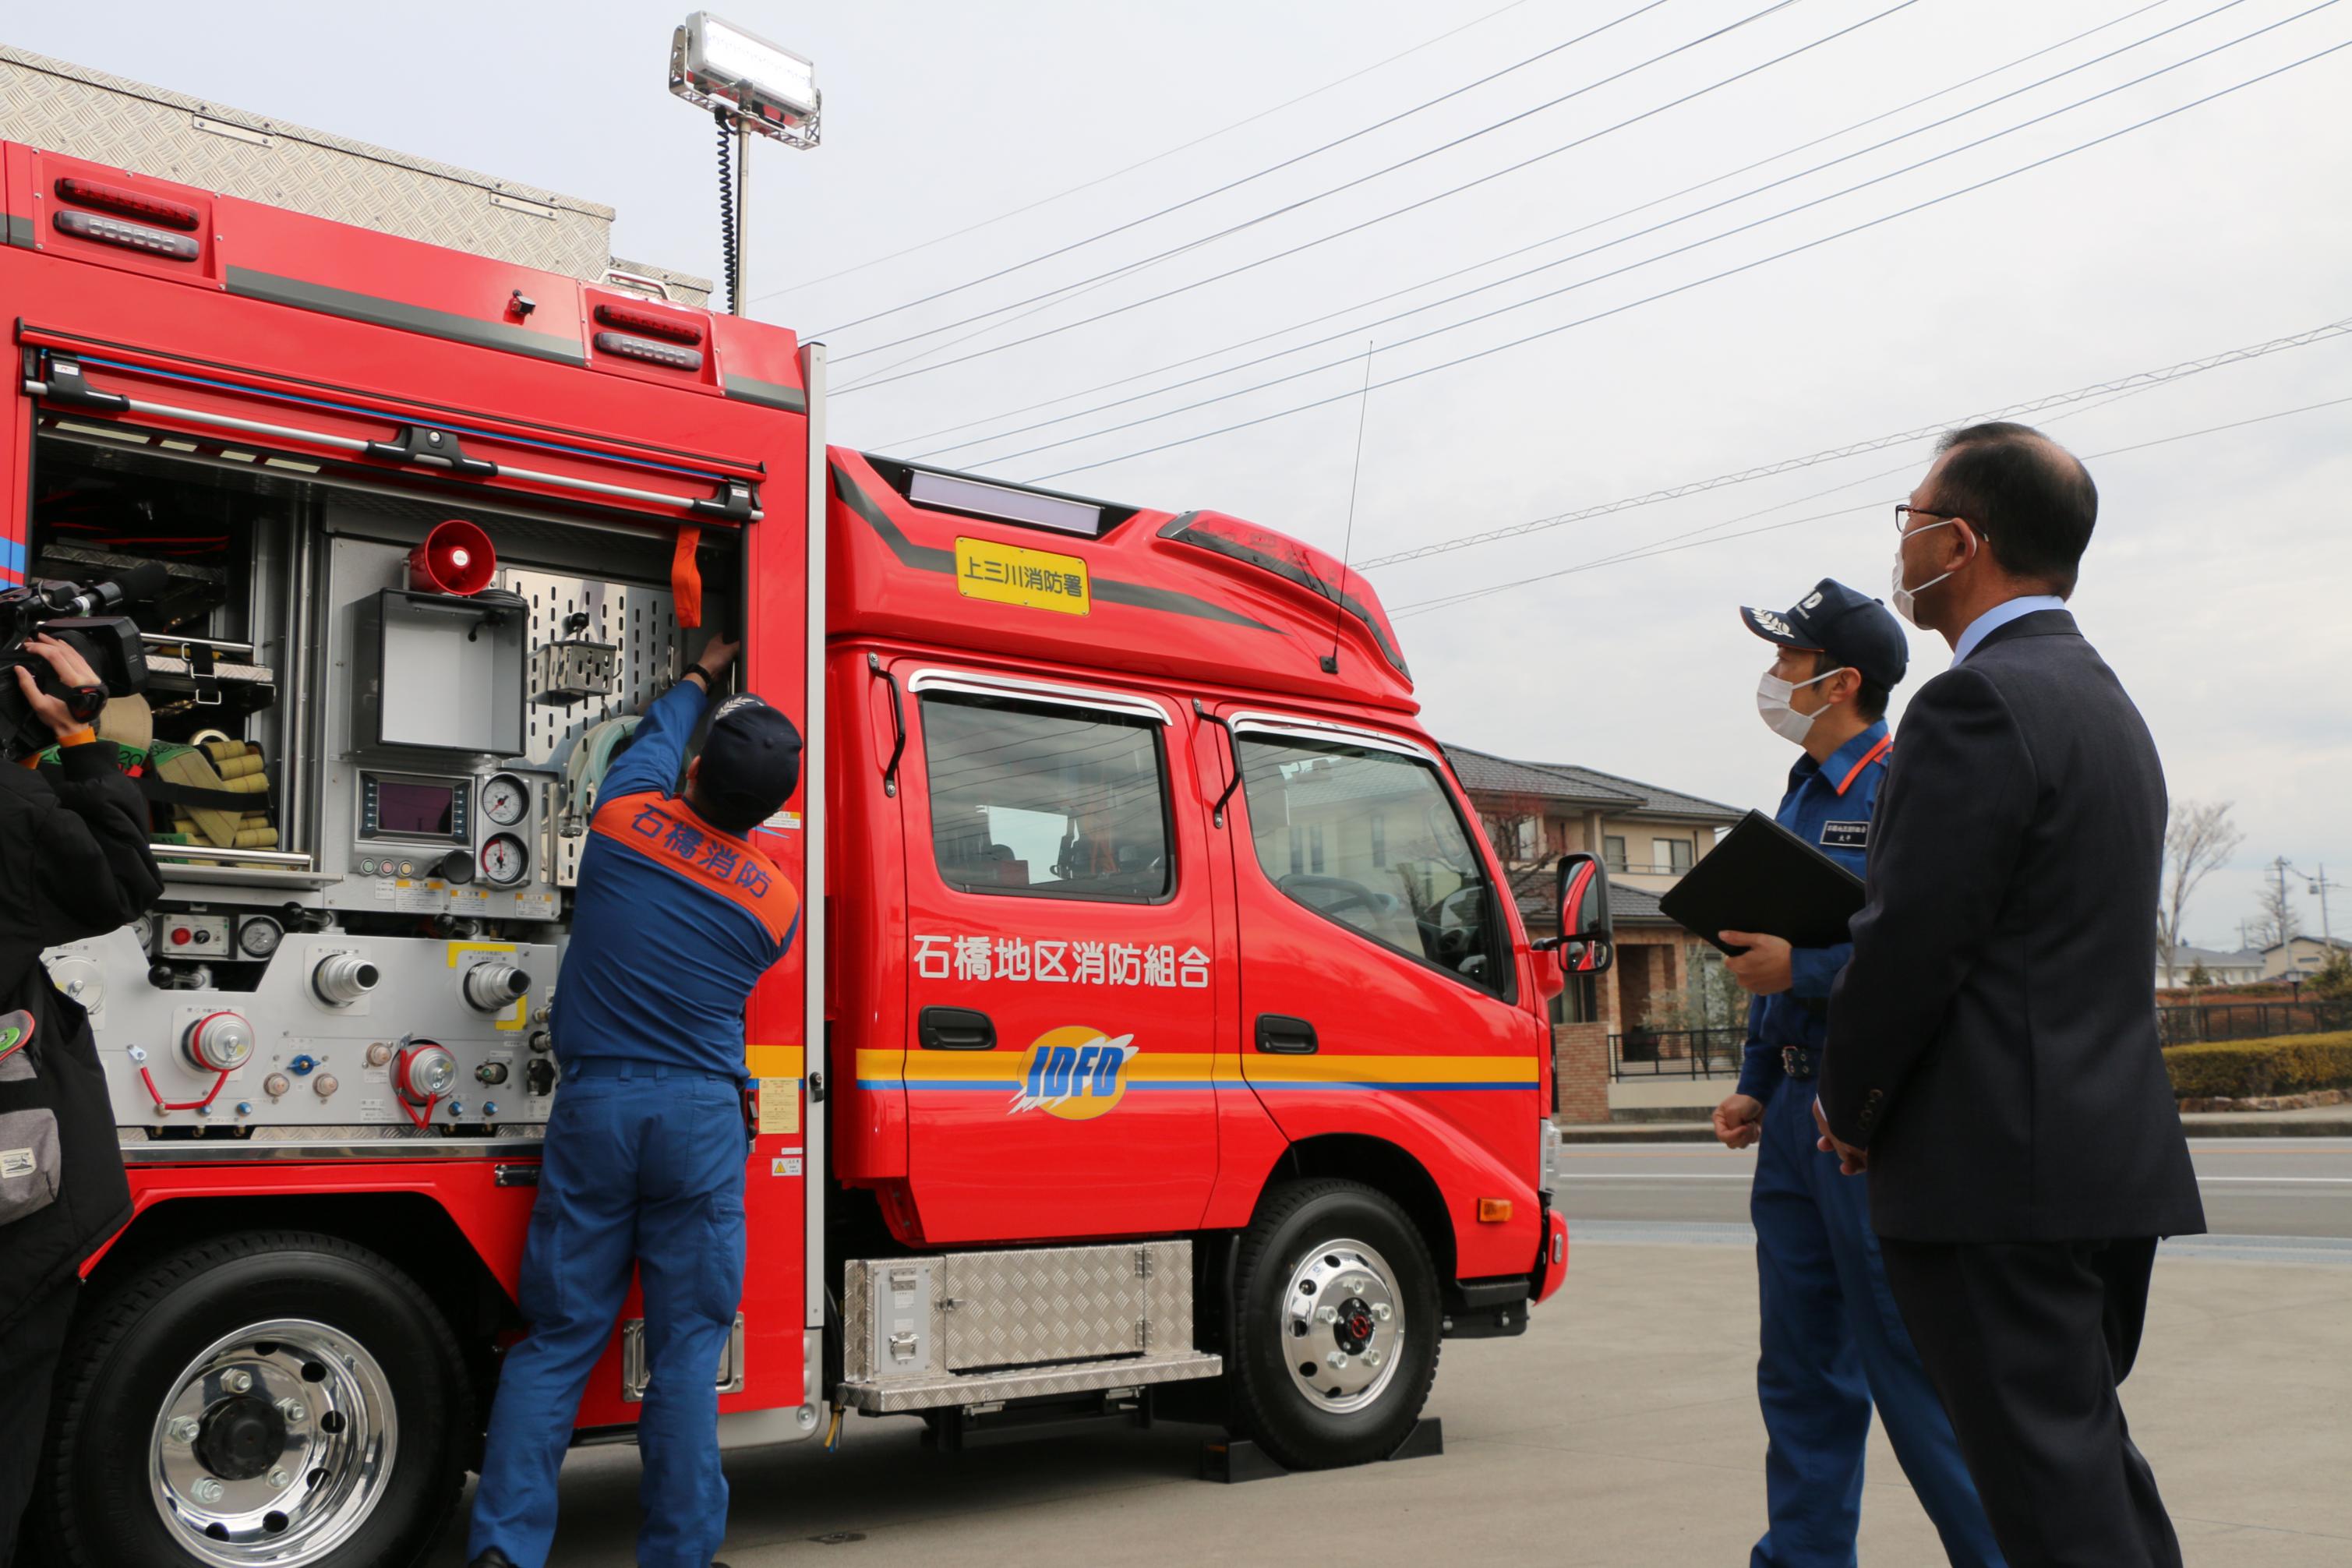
[1163, 1071]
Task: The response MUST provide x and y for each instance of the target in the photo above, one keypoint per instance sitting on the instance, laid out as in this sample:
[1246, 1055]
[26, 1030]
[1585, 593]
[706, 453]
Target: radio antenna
[1348, 541]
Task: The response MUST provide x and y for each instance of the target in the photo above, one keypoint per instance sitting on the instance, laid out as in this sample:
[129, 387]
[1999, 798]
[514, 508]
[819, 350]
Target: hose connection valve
[425, 1073]
[495, 987]
[218, 1042]
[342, 978]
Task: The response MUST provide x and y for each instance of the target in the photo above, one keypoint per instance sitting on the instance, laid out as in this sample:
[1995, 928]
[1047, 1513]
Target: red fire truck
[1164, 1038]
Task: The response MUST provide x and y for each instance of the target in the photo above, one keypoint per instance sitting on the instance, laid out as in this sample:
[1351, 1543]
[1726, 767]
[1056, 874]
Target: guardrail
[1676, 1053]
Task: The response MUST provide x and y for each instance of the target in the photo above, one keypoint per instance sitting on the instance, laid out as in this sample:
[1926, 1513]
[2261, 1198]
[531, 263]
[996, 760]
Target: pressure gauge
[258, 936]
[505, 861]
[504, 799]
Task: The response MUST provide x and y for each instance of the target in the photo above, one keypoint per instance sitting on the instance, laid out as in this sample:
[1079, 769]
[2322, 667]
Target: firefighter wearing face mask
[1833, 1343]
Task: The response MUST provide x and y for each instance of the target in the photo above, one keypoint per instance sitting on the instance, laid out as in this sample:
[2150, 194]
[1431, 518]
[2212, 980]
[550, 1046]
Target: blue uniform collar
[1846, 763]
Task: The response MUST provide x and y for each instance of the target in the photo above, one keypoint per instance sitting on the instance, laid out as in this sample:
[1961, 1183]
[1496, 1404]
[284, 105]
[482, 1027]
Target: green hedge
[2290, 1064]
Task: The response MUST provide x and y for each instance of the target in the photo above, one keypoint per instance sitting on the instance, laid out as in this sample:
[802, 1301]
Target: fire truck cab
[1161, 1037]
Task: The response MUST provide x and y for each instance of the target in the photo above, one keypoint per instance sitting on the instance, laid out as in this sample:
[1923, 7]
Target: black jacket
[1993, 1041]
[73, 864]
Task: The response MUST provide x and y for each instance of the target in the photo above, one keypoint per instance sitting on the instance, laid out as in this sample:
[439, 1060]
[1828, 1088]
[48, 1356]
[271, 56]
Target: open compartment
[291, 662]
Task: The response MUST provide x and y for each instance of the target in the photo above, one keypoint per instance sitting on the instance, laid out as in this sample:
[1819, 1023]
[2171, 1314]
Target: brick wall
[1580, 1065]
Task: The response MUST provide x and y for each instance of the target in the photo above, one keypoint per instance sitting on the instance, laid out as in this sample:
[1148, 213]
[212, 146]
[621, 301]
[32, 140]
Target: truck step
[900, 1395]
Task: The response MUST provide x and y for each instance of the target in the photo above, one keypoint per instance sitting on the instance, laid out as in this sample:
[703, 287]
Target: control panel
[451, 844]
[406, 808]
[339, 1030]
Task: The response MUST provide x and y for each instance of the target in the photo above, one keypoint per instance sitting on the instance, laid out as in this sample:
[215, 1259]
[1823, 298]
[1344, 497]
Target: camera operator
[73, 864]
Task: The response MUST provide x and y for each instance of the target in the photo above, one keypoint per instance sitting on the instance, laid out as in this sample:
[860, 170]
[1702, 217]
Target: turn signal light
[129, 235]
[647, 350]
[1494, 1211]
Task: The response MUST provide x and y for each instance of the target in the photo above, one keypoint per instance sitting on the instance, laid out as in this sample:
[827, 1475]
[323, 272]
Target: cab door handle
[955, 1029]
[1281, 1037]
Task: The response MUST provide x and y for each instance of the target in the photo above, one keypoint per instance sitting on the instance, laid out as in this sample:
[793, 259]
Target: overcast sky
[2220, 578]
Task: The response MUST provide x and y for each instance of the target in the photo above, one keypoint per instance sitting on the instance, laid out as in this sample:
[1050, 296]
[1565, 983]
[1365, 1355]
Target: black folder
[1763, 877]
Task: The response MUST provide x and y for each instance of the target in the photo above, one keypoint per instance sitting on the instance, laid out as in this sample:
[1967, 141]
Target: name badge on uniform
[1845, 835]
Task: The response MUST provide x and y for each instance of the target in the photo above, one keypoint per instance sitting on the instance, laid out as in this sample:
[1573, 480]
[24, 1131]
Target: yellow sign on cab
[1008, 574]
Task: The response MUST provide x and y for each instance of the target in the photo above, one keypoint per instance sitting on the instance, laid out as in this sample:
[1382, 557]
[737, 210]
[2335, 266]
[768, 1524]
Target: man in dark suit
[1992, 1058]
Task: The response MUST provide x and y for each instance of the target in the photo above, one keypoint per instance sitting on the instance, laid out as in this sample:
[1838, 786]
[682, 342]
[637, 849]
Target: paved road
[2253, 1186]
[1620, 1432]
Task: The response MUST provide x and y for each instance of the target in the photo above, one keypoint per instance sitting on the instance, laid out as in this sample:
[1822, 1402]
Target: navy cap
[1852, 628]
[751, 758]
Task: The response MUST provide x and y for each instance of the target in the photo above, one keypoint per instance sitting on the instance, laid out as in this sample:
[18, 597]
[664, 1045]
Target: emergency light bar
[953, 492]
[715, 65]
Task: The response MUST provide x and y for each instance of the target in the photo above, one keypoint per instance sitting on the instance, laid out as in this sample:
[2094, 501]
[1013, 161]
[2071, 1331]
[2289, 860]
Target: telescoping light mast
[748, 85]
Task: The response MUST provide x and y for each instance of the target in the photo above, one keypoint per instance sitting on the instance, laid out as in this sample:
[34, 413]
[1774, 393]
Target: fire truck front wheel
[1336, 1312]
[272, 1398]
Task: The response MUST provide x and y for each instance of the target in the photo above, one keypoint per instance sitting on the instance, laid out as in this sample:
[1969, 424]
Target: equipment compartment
[368, 827]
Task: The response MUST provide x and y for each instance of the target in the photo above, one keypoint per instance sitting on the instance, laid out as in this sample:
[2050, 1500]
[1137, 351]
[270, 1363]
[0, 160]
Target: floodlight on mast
[750, 86]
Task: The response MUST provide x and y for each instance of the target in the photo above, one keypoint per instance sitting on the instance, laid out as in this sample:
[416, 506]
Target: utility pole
[2320, 888]
[2281, 868]
[2323, 887]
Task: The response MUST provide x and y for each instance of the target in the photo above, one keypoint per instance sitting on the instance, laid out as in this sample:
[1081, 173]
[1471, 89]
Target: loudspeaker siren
[456, 558]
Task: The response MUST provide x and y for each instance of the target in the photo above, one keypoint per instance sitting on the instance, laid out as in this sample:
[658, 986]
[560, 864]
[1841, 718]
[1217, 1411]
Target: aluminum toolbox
[963, 1327]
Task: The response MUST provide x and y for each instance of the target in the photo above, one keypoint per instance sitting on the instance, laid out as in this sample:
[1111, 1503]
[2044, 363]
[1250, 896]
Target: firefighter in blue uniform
[678, 913]
[1832, 1342]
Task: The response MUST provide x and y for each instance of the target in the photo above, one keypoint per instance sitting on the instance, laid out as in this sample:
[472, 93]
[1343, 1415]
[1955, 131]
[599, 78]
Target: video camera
[71, 613]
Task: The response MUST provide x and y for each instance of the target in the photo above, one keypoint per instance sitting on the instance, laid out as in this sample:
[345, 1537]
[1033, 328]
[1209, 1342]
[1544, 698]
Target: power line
[1144, 163]
[1560, 261]
[2141, 380]
[1233, 185]
[1714, 276]
[1408, 207]
[1909, 465]
[984, 329]
[1671, 253]
[2108, 400]
[1668, 546]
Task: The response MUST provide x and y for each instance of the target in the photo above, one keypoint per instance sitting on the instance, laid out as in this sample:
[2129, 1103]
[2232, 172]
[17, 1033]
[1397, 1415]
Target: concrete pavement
[1621, 1430]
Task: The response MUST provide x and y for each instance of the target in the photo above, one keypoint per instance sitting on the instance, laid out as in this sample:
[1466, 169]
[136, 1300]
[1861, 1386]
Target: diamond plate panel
[1031, 1312]
[1029, 1383]
[1053, 1303]
[89, 115]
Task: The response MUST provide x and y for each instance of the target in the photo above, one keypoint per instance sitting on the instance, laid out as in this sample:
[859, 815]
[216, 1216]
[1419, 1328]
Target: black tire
[1293, 1224]
[94, 1506]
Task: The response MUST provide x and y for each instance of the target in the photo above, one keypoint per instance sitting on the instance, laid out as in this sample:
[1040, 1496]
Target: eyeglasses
[1905, 511]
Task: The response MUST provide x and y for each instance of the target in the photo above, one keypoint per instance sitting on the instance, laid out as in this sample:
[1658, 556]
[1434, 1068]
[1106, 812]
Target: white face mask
[1772, 695]
[1906, 600]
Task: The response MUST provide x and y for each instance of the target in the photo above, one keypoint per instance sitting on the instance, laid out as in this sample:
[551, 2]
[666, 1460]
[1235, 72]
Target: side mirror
[1587, 941]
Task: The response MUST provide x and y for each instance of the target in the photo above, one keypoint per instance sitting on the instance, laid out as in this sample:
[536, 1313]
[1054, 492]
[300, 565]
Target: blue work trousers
[645, 1166]
[1832, 1342]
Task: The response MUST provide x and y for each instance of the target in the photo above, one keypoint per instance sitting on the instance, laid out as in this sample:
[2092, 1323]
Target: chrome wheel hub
[272, 1447]
[1342, 1323]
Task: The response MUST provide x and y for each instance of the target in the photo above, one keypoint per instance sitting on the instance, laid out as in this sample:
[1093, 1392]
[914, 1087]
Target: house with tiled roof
[1648, 836]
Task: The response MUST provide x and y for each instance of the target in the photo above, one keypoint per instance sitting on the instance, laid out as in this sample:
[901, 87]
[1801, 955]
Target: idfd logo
[1075, 1072]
